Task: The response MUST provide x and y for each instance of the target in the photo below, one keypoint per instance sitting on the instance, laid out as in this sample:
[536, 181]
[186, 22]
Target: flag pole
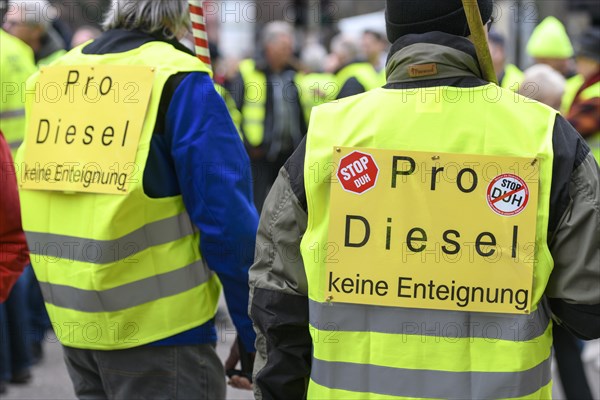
[479, 39]
[199, 32]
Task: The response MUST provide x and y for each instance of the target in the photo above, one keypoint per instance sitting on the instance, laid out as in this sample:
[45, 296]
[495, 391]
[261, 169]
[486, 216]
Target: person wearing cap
[509, 75]
[550, 44]
[584, 114]
[131, 255]
[361, 285]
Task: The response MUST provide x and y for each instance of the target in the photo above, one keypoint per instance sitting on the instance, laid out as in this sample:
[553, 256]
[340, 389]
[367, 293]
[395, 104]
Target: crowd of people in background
[270, 96]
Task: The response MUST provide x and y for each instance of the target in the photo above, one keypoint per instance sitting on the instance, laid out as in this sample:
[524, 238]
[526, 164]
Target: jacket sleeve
[14, 255]
[216, 183]
[279, 290]
[574, 234]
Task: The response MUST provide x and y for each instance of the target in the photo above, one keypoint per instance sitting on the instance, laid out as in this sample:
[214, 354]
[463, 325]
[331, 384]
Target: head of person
[313, 57]
[373, 44]
[277, 40]
[543, 83]
[588, 53]
[84, 34]
[170, 19]
[404, 17]
[29, 20]
[550, 44]
[497, 50]
[345, 49]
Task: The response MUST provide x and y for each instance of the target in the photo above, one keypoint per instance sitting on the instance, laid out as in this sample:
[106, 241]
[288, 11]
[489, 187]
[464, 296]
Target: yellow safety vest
[376, 352]
[119, 271]
[16, 66]
[234, 113]
[363, 72]
[316, 89]
[573, 85]
[594, 140]
[513, 77]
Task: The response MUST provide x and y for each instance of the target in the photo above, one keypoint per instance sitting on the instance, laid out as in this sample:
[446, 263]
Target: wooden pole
[480, 40]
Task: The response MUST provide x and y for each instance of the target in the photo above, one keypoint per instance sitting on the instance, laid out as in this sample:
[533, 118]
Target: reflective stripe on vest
[373, 352]
[110, 251]
[255, 101]
[449, 324]
[119, 271]
[430, 384]
[128, 295]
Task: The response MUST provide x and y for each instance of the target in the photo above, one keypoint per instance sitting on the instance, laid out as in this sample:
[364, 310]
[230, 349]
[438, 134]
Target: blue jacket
[197, 152]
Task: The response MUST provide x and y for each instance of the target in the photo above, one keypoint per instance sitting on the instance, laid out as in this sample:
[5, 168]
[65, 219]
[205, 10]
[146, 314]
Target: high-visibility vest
[363, 72]
[51, 58]
[594, 140]
[513, 77]
[572, 86]
[16, 65]
[119, 271]
[254, 108]
[234, 113]
[364, 351]
[316, 89]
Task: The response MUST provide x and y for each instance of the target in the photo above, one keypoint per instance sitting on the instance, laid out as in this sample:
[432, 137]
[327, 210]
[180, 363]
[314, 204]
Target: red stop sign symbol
[358, 172]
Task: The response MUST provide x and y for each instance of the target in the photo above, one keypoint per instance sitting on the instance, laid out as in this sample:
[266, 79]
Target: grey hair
[168, 17]
[313, 56]
[544, 84]
[273, 30]
[34, 12]
[345, 47]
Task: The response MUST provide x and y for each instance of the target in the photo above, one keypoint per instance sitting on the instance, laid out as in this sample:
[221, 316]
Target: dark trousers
[15, 332]
[264, 173]
[147, 372]
[567, 350]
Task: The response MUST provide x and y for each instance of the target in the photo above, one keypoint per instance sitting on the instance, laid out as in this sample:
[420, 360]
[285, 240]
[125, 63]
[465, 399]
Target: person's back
[127, 226]
[442, 221]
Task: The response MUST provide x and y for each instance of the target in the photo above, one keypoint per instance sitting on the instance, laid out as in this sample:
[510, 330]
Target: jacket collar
[122, 40]
[431, 56]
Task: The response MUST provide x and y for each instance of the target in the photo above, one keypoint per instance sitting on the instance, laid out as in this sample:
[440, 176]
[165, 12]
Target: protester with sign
[419, 241]
[137, 206]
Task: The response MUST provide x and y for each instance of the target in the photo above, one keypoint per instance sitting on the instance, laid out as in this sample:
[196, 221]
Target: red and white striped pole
[199, 31]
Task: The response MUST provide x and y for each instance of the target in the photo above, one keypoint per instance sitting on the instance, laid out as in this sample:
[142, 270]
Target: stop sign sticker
[358, 172]
[507, 195]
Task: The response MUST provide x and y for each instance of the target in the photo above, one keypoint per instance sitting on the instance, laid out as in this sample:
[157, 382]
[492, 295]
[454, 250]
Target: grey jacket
[279, 302]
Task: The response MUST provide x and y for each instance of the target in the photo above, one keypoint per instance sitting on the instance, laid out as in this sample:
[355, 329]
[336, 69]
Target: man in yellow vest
[137, 206]
[266, 93]
[550, 44]
[584, 114]
[426, 236]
